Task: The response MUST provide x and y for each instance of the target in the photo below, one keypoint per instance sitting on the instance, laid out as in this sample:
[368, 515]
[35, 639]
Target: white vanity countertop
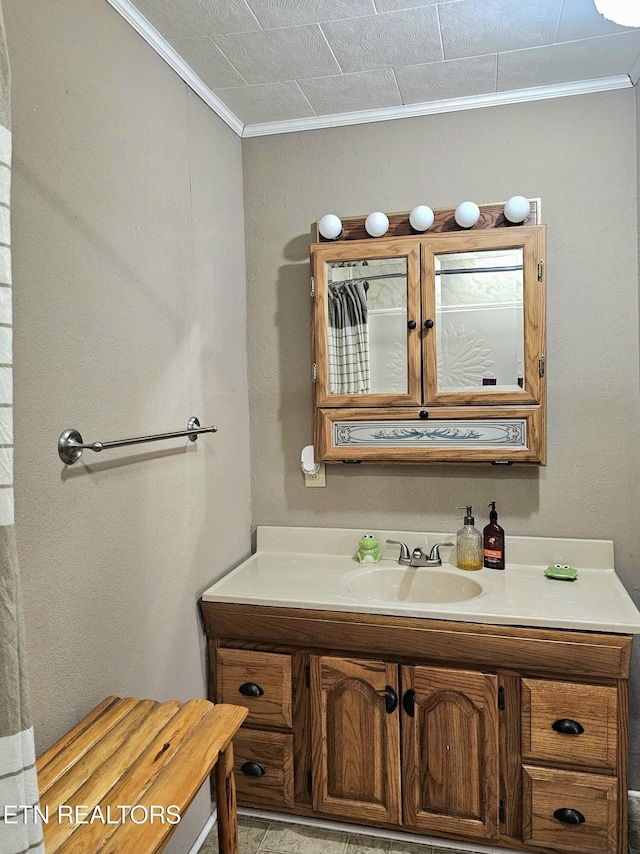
[312, 567]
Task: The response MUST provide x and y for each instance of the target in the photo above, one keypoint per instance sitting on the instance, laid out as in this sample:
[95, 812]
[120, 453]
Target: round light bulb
[620, 12]
[517, 209]
[467, 214]
[376, 224]
[330, 226]
[421, 218]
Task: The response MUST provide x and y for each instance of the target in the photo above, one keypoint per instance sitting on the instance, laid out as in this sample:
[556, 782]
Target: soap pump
[493, 536]
[469, 543]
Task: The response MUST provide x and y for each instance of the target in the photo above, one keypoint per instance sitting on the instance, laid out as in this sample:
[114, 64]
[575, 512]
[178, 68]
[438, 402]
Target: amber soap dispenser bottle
[493, 541]
[468, 543]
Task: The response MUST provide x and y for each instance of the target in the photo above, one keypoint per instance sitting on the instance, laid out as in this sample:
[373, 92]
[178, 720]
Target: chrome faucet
[405, 557]
[418, 556]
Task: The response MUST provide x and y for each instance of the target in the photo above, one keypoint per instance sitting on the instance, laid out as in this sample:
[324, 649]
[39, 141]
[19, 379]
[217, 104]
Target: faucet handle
[434, 554]
[405, 557]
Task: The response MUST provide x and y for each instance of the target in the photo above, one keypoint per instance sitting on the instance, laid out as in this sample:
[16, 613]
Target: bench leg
[226, 803]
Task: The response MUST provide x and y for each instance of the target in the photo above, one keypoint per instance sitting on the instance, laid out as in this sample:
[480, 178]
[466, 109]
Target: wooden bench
[150, 757]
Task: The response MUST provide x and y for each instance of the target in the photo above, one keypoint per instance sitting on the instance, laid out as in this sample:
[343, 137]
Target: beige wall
[579, 156]
[129, 317]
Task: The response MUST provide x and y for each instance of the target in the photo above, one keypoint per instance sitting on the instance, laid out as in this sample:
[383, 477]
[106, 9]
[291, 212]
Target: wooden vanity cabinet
[431, 347]
[504, 735]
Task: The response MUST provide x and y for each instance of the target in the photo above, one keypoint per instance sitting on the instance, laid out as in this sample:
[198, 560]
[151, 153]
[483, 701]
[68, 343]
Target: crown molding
[173, 58]
[474, 102]
[495, 99]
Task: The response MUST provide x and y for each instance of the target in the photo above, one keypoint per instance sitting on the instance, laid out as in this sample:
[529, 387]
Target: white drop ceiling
[271, 66]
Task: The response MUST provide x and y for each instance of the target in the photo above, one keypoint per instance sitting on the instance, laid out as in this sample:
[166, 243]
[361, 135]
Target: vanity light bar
[409, 223]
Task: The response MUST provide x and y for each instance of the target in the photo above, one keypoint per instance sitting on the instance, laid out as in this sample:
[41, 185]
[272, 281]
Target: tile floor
[265, 836]
[262, 836]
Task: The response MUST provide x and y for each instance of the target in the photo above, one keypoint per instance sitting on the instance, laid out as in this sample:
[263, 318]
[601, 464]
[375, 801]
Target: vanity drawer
[550, 795]
[261, 681]
[263, 765]
[570, 724]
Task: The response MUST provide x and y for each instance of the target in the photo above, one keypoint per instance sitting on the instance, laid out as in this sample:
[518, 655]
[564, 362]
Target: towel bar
[71, 443]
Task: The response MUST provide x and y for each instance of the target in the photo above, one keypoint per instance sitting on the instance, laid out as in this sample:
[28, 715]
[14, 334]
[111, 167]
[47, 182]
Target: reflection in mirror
[367, 315]
[479, 320]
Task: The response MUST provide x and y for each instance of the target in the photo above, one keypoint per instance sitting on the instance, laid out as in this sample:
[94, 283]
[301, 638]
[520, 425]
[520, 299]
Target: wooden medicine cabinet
[431, 347]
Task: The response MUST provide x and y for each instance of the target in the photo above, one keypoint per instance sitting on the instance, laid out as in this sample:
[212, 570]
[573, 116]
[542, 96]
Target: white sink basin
[413, 584]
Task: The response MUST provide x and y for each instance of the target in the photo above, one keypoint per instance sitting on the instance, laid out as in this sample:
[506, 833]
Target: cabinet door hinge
[501, 813]
[309, 783]
[501, 699]
[314, 372]
[541, 366]
[307, 677]
[541, 270]
[312, 285]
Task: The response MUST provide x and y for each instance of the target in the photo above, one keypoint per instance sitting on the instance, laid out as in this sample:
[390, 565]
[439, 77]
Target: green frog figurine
[368, 551]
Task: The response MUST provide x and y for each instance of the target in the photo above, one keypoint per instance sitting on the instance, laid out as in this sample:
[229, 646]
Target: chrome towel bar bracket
[71, 443]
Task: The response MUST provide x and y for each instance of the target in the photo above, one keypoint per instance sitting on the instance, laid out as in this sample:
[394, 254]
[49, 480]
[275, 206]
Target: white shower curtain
[19, 832]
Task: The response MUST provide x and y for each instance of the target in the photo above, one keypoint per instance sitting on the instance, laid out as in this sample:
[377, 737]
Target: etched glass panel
[367, 328]
[480, 321]
[480, 433]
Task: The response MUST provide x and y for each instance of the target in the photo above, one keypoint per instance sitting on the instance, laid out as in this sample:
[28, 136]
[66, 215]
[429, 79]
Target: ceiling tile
[271, 55]
[396, 5]
[581, 20]
[197, 17]
[607, 56]
[454, 78]
[269, 102]
[474, 27]
[381, 41]
[208, 62]
[344, 93]
[288, 13]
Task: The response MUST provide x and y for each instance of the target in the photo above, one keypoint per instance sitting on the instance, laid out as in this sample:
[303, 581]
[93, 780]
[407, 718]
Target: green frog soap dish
[368, 549]
[561, 572]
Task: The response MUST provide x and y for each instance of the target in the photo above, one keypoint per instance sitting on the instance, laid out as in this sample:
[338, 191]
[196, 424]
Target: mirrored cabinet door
[483, 298]
[367, 323]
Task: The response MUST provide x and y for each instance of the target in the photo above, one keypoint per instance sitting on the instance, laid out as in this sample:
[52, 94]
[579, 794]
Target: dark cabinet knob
[391, 699]
[428, 324]
[569, 816]
[411, 324]
[565, 726]
[423, 414]
[253, 769]
[250, 689]
[409, 702]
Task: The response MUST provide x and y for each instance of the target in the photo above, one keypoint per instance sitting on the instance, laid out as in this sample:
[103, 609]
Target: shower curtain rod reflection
[71, 443]
[514, 269]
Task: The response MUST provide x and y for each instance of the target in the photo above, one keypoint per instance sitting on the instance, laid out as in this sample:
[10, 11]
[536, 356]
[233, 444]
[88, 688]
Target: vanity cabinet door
[450, 751]
[355, 739]
[367, 323]
[483, 298]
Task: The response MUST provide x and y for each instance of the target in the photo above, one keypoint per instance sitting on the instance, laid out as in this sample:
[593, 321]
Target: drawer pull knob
[391, 699]
[254, 769]
[569, 816]
[250, 689]
[565, 726]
